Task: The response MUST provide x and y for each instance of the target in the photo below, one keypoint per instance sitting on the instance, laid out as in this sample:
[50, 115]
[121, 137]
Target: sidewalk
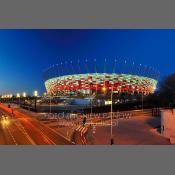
[134, 131]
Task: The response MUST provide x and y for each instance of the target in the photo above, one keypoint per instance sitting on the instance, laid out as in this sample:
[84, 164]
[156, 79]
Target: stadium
[85, 77]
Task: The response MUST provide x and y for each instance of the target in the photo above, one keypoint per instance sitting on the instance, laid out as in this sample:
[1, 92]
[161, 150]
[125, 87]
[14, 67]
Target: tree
[167, 91]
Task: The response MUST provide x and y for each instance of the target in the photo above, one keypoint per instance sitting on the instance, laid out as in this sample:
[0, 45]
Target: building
[89, 78]
[168, 124]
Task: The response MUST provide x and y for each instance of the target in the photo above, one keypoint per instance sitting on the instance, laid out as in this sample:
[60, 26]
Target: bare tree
[167, 91]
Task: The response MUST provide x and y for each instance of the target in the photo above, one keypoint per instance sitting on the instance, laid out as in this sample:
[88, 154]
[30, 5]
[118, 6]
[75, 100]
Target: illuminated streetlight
[35, 93]
[104, 89]
[24, 94]
[112, 91]
[18, 95]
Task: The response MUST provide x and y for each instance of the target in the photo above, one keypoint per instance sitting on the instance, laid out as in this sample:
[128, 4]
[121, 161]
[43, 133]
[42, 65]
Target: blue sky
[24, 54]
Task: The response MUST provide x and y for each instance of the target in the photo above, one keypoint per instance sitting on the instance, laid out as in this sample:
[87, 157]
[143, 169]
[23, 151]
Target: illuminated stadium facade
[90, 77]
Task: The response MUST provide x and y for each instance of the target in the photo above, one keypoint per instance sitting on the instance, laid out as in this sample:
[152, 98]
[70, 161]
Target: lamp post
[35, 95]
[50, 104]
[18, 96]
[112, 140]
[11, 97]
[24, 96]
[142, 101]
[104, 91]
[91, 98]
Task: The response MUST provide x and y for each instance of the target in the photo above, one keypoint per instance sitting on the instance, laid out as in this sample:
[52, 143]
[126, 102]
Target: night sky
[24, 54]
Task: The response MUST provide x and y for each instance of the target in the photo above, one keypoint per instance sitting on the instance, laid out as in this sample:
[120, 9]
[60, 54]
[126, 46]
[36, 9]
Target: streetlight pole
[112, 140]
[18, 96]
[91, 98]
[50, 104]
[35, 95]
[91, 106]
[142, 101]
[24, 96]
[91, 101]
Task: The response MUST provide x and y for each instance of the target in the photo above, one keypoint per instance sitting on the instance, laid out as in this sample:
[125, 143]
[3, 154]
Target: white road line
[39, 130]
[21, 127]
[83, 131]
[59, 134]
[13, 138]
[82, 141]
[85, 140]
[45, 137]
[77, 129]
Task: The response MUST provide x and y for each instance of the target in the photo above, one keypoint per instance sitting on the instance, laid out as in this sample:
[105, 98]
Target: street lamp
[104, 89]
[142, 101]
[18, 96]
[112, 90]
[35, 93]
[91, 98]
[11, 96]
[24, 95]
[50, 103]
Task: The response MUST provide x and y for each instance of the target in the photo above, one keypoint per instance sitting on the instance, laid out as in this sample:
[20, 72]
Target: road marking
[59, 134]
[82, 131]
[77, 129]
[47, 139]
[13, 138]
[84, 140]
[18, 114]
[21, 127]
[86, 129]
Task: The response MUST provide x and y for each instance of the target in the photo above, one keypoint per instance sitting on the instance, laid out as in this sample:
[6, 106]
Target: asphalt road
[21, 129]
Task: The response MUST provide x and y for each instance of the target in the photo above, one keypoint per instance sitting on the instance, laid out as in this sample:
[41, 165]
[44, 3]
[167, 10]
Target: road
[21, 129]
